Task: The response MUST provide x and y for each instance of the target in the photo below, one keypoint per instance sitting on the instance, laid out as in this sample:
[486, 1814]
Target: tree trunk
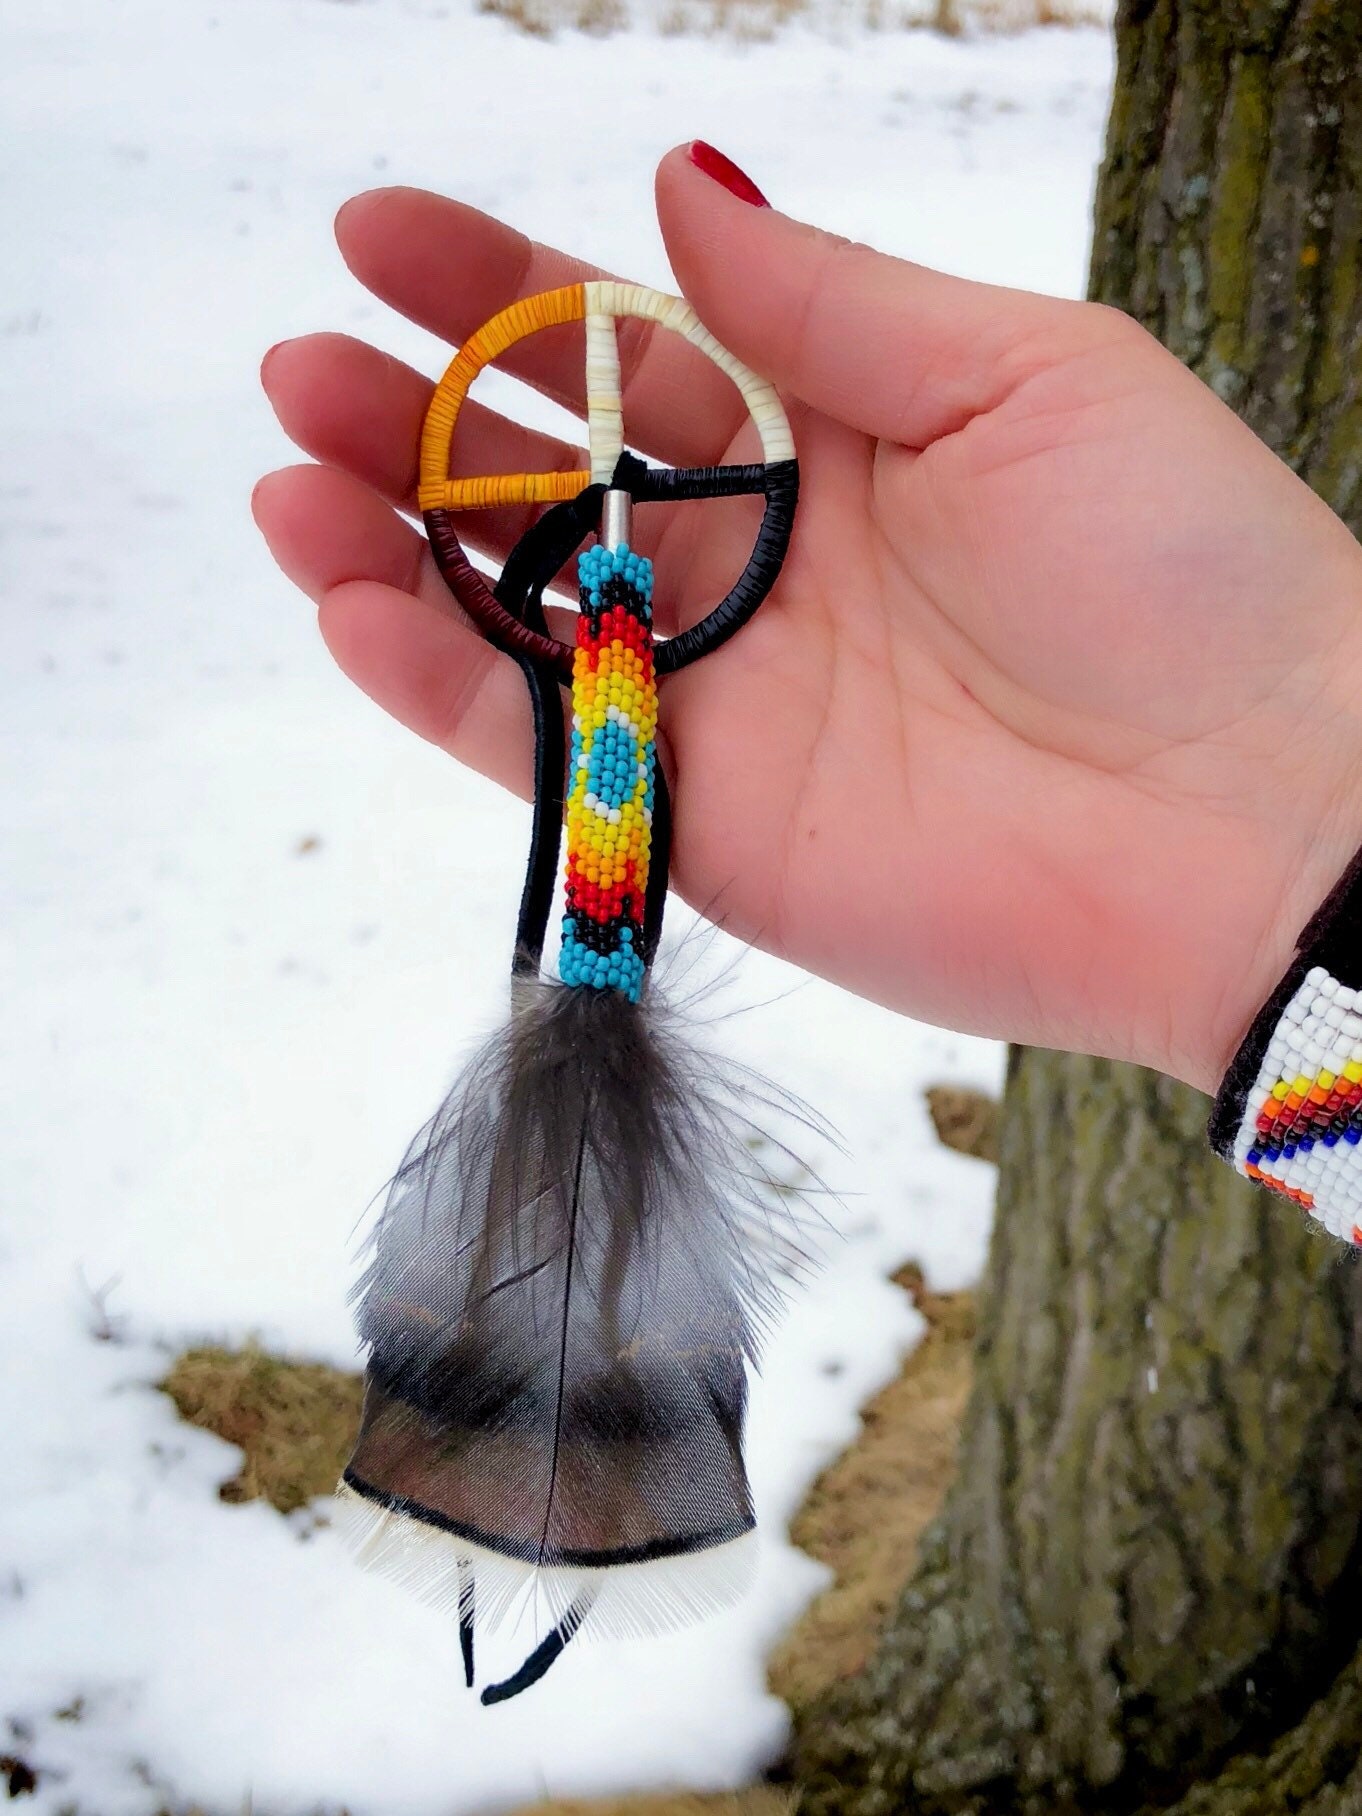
[1148, 1569]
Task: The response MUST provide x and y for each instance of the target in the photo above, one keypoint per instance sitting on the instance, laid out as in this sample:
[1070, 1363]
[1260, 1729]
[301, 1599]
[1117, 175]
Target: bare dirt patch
[294, 1421]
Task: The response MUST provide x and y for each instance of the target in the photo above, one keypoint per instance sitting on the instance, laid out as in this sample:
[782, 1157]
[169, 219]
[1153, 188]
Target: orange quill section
[436, 490]
[507, 488]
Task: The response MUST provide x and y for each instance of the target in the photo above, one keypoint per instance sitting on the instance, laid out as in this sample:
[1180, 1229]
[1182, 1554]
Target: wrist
[1301, 833]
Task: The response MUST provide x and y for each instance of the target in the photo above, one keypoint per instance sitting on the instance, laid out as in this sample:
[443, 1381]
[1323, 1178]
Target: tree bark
[1142, 1592]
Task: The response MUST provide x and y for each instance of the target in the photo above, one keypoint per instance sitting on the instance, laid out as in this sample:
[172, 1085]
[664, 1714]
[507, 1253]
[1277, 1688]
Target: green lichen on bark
[1228, 213]
[1141, 1592]
[1315, 1769]
[1150, 1541]
[1235, 196]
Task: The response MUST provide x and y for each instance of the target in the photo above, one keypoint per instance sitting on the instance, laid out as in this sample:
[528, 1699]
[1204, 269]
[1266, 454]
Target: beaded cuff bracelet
[1289, 1111]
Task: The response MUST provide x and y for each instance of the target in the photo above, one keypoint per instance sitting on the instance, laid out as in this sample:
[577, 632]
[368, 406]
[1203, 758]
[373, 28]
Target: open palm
[1047, 730]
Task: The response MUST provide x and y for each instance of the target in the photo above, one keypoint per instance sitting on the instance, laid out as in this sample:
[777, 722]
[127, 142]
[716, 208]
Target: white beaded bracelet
[1289, 1112]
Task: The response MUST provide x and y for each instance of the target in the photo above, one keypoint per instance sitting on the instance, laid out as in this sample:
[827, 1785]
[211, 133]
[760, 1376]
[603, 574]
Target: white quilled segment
[607, 296]
[604, 406]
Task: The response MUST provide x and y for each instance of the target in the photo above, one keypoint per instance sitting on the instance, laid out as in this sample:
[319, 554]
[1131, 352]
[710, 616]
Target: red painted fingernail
[725, 171]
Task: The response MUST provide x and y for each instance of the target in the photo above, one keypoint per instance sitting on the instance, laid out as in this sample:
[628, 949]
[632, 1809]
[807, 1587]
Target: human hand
[1048, 730]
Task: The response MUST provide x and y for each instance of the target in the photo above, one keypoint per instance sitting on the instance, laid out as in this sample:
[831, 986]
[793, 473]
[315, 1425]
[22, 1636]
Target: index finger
[449, 267]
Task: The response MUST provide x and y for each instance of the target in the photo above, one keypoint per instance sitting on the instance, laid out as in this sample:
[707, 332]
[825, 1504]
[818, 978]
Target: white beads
[1302, 1128]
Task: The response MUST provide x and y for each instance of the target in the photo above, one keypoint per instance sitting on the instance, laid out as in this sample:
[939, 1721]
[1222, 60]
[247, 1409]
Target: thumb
[887, 347]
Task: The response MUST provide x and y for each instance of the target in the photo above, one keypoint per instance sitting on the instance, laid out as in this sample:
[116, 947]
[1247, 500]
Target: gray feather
[569, 1278]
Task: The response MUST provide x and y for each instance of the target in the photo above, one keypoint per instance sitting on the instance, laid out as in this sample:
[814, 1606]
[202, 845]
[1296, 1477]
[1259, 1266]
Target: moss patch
[294, 1421]
[964, 1120]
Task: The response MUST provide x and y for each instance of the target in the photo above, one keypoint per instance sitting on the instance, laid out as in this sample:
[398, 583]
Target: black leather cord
[530, 567]
[546, 1653]
[781, 486]
[778, 482]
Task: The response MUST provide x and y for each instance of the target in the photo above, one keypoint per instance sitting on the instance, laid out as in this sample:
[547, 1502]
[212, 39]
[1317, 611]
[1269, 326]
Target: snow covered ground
[233, 894]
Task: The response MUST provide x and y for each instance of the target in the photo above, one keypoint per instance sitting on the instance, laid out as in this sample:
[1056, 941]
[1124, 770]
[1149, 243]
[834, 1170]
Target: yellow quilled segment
[526, 317]
[503, 488]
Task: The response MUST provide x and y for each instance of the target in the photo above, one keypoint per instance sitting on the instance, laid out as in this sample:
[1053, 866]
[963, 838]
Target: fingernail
[724, 171]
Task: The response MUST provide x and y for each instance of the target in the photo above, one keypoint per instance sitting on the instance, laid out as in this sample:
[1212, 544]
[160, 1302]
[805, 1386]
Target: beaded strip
[612, 773]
